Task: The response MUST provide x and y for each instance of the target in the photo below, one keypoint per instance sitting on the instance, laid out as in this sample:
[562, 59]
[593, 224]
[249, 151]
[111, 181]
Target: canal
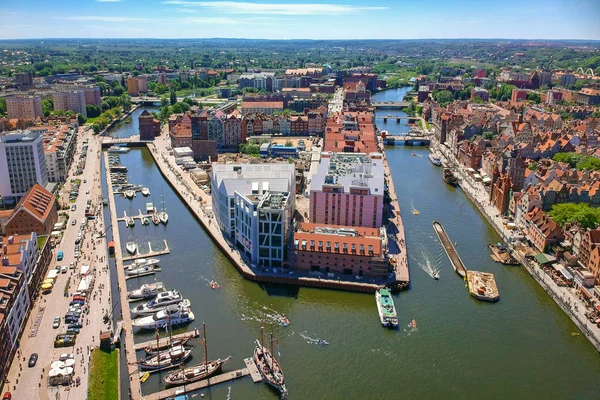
[520, 347]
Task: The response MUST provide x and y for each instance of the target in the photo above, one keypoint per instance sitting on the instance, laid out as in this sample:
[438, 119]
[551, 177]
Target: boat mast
[272, 356]
[157, 343]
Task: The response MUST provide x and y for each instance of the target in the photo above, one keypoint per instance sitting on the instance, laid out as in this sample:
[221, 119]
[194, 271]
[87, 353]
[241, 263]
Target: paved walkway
[32, 381]
[566, 298]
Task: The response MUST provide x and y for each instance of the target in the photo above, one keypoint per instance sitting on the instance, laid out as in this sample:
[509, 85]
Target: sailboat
[196, 372]
[154, 215]
[163, 216]
[268, 366]
[172, 357]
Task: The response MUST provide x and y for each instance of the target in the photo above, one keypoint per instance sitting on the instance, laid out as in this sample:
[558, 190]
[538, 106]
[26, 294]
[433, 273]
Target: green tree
[443, 97]
[289, 143]
[564, 213]
[47, 107]
[173, 98]
[164, 102]
[81, 119]
[92, 111]
[534, 97]
[2, 106]
[119, 90]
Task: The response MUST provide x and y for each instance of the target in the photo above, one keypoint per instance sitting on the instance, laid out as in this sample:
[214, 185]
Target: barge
[451, 252]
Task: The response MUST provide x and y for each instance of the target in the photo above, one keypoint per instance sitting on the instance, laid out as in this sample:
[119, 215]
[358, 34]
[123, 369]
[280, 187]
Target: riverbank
[200, 203]
[563, 297]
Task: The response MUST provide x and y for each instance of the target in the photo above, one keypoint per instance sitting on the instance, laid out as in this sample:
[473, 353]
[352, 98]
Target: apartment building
[24, 107]
[35, 212]
[73, 100]
[133, 88]
[347, 189]
[22, 163]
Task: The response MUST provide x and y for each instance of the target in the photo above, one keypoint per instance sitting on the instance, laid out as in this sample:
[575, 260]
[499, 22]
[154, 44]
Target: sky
[296, 19]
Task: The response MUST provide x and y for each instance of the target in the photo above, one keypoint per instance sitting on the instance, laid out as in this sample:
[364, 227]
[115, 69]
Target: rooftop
[349, 170]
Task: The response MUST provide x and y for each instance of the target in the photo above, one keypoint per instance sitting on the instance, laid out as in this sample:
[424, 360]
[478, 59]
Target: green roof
[541, 258]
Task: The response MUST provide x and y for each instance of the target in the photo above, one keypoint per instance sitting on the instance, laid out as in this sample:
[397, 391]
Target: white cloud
[101, 18]
[232, 7]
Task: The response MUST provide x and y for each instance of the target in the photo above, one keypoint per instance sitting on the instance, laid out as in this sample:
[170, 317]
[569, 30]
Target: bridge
[390, 104]
[408, 140]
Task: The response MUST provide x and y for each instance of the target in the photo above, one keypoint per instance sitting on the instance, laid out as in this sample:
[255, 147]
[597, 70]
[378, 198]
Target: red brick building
[541, 230]
[500, 192]
[35, 212]
[149, 126]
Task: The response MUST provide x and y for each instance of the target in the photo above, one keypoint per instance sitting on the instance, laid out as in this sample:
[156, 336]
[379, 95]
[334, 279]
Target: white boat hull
[149, 323]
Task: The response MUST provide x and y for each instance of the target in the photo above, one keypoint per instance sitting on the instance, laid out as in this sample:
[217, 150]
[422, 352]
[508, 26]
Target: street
[22, 378]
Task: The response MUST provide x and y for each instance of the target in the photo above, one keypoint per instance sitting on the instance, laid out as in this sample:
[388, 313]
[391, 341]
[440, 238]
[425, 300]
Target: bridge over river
[390, 104]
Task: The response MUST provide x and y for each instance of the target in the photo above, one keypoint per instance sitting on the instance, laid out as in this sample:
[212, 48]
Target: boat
[196, 372]
[155, 219]
[131, 247]
[146, 291]
[283, 321]
[141, 271]
[163, 216]
[269, 367]
[130, 221]
[174, 314]
[435, 160]
[165, 343]
[145, 221]
[171, 358]
[413, 324]
[436, 275]
[501, 254]
[146, 192]
[214, 285]
[386, 308]
[142, 262]
[451, 252]
[414, 154]
[416, 212]
[130, 194]
[118, 149]
[449, 177]
[160, 302]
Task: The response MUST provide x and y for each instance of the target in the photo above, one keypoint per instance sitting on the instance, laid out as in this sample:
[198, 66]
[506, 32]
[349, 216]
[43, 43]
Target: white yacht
[131, 247]
[178, 314]
[146, 192]
[142, 271]
[146, 291]
[158, 303]
[142, 262]
[130, 194]
[435, 160]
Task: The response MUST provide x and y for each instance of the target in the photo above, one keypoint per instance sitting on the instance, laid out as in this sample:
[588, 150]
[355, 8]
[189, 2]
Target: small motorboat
[416, 212]
[146, 192]
[283, 321]
[436, 275]
[130, 194]
[145, 221]
[131, 247]
[130, 222]
[413, 324]
[155, 219]
[214, 285]
[414, 154]
[322, 342]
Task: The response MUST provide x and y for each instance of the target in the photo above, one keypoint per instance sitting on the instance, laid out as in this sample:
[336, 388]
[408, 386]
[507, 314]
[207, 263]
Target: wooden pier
[151, 253]
[139, 216]
[190, 387]
[117, 335]
[163, 341]
[253, 369]
[451, 252]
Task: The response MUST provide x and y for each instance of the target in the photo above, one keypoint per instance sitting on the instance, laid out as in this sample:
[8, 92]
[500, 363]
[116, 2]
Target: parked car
[59, 256]
[63, 269]
[74, 222]
[56, 322]
[72, 265]
[69, 319]
[7, 396]
[75, 325]
[32, 360]
[77, 303]
[72, 330]
[73, 207]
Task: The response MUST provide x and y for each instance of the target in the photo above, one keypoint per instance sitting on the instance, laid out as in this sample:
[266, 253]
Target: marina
[150, 253]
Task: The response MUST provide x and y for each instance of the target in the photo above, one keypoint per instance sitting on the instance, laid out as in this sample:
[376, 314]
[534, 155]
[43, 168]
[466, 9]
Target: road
[30, 383]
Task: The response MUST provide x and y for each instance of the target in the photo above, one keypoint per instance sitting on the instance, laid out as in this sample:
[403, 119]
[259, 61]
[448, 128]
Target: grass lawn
[41, 241]
[104, 375]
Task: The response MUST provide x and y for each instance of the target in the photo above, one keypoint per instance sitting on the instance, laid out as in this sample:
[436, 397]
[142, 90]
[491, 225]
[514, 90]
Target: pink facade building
[347, 189]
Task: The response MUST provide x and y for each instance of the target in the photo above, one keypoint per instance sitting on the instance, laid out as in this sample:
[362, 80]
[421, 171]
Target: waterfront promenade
[200, 203]
[566, 298]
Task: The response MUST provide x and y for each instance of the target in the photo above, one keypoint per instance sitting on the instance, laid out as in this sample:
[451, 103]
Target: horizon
[293, 20]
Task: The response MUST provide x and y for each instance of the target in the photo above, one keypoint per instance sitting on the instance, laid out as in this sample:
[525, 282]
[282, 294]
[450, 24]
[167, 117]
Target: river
[520, 347]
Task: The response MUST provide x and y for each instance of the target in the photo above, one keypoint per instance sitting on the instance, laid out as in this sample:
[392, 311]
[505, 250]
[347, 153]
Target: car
[56, 322]
[69, 319]
[66, 356]
[73, 207]
[85, 181]
[72, 265]
[75, 325]
[77, 303]
[74, 222]
[63, 269]
[32, 360]
[87, 191]
[7, 396]
[77, 241]
[72, 330]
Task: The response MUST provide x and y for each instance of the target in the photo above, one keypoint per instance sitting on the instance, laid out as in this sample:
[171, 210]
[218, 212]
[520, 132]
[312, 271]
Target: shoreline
[534, 271]
[193, 198]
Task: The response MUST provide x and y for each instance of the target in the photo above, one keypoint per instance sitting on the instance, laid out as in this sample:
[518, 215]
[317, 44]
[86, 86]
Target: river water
[520, 347]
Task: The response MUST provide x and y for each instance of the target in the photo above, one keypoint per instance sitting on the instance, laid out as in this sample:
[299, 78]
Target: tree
[164, 102]
[289, 143]
[488, 135]
[173, 98]
[47, 107]
[534, 97]
[582, 213]
[119, 90]
[126, 105]
[81, 119]
[2, 106]
[443, 97]
[93, 111]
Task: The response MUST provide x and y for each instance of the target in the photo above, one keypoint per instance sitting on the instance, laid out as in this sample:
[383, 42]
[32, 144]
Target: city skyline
[281, 19]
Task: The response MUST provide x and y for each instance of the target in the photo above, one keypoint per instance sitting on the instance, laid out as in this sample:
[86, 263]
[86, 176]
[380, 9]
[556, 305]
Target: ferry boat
[269, 367]
[146, 192]
[173, 315]
[158, 303]
[449, 177]
[146, 291]
[386, 308]
[118, 149]
[142, 262]
[171, 358]
[141, 271]
[435, 160]
[131, 247]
